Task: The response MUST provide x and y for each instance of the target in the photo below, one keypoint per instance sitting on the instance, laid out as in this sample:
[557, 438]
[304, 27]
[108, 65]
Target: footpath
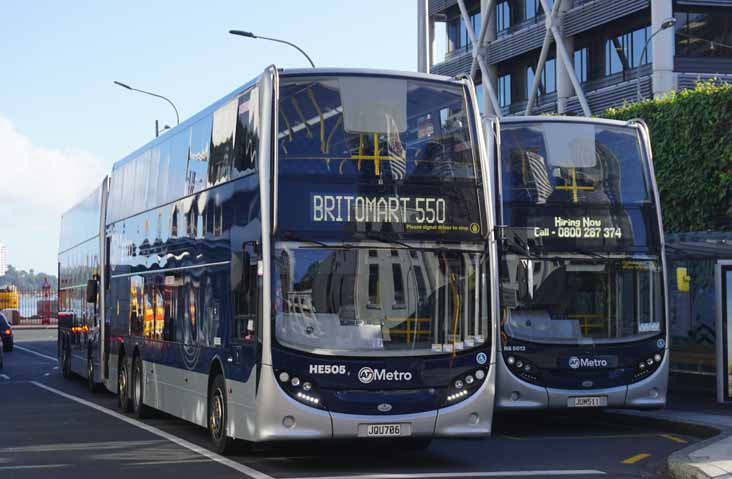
[695, 415]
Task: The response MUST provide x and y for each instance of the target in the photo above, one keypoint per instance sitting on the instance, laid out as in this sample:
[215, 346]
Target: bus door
[247, 287]
[724, 330]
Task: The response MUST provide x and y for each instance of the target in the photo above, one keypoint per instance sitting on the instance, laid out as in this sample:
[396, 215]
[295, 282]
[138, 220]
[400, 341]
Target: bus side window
[136, 309]
[246, 292]
[246, 137]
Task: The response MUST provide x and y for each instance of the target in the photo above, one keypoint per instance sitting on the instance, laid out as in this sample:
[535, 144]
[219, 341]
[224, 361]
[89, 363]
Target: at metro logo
[592, 363]
[368, 375]
[584, 362]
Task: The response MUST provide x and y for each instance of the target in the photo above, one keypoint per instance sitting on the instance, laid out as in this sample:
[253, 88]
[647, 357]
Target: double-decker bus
[306, 259]
[79, 316]
[581, 266]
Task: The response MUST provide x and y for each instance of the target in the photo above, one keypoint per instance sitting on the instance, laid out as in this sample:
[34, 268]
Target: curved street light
[242, 33]
[668, 23]
[124, 85]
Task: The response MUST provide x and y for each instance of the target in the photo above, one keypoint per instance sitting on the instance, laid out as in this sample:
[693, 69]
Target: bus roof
[290, 72]
[563, 119]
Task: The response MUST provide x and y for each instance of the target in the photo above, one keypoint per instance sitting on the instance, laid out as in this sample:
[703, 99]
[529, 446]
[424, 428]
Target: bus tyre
[218, 415]
[66, 362]
[138, 390]
[90, 383]
[123, 382]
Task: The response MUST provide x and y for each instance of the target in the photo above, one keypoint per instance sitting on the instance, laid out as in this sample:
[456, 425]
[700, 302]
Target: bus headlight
[523, 368]
[464, 386]
[647, 366]
[304, 391]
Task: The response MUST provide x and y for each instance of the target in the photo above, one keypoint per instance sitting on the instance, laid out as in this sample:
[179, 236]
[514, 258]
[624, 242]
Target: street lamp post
[242, 33]
[668, 23]
[177, 117]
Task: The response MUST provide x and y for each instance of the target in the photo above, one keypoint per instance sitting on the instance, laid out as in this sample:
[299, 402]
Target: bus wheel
[218, 415]
[123, 376]
[66, 362]
[93, 386]
[138, 391]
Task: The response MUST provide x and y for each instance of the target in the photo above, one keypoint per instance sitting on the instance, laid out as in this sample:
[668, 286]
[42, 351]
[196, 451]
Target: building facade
[3, 259]
[610, 44]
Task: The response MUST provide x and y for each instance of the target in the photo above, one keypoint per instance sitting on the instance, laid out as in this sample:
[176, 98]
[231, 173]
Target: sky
[63, 123]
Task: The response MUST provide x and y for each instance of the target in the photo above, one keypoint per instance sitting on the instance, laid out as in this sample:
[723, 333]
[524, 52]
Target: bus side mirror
[92, 288]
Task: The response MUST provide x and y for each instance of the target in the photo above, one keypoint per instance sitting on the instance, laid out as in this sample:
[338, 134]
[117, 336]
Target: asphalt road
[52, 427]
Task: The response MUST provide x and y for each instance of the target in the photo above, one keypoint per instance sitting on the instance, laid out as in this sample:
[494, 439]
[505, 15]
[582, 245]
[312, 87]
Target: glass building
[609, 42]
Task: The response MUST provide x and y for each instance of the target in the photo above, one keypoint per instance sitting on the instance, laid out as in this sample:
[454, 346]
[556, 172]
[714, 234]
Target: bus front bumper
[650, 393]
[279, 417]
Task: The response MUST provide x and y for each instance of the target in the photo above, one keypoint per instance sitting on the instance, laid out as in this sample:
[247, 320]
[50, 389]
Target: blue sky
[63, 123]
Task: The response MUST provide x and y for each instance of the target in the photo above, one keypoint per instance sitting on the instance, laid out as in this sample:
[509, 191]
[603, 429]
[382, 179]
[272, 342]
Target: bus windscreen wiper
[385, 239]
[288, 236]
[591, 254]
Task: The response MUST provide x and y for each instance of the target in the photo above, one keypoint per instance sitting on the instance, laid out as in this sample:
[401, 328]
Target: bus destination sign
[413, 213]
[585, 227]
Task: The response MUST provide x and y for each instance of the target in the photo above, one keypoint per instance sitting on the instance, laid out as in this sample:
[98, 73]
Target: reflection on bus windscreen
[580, 301]
[572, 163]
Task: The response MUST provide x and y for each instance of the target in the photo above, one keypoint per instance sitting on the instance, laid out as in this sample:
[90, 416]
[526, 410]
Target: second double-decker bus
[306, 259]
[581, 266]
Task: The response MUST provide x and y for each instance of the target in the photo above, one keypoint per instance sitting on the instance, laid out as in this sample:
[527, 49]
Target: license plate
[384, 430]
[587, 401]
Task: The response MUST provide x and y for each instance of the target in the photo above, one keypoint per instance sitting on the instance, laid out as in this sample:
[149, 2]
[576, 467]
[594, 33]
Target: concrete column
[490, 35]
[662, 45]
[564, 83]
[424, 37]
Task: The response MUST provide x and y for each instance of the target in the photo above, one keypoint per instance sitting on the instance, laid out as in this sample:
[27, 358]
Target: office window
[549, 76]
[581, 64]
[625, 51]
[463, 36]
[504, 90]
[531, 8]
[476, 21]
[548, 81]
[453, 34]
[639, 39]
[704, 33]
[614, 55]
[503, 16]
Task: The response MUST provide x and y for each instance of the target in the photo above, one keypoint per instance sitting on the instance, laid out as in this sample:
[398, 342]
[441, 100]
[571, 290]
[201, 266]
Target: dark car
[6, 332]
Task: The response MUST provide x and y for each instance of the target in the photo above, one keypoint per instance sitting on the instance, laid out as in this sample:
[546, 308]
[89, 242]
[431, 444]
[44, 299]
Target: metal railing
[30, 307]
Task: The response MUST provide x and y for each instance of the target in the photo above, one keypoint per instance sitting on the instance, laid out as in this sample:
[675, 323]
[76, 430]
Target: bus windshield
[572, 163]
[376, 129]
[581, 300]
[375, 301]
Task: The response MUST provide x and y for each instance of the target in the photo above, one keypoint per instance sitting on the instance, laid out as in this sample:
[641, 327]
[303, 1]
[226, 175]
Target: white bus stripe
[580, 472]
[253, 473]
[45, 356]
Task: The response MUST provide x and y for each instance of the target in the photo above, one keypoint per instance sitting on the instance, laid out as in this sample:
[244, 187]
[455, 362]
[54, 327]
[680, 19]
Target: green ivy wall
[691, 133]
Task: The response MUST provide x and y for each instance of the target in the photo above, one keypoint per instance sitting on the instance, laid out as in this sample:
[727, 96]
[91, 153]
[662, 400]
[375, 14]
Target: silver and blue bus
[582, 321]
[305, 259]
